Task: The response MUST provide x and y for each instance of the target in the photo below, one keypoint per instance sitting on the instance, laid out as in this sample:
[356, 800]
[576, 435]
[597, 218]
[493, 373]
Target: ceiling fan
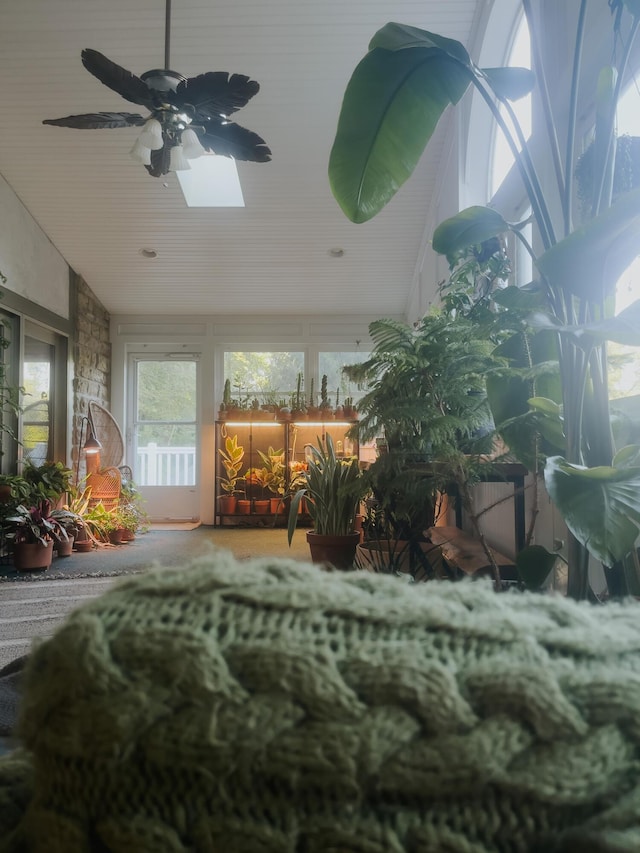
[187, 115]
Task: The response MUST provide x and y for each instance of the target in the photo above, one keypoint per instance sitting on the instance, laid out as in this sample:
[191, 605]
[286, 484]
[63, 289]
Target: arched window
[489, 175]
[624, 372]
[502, 159]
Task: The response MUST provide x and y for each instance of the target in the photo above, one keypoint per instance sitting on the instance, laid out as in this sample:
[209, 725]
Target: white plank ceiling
[100, 208]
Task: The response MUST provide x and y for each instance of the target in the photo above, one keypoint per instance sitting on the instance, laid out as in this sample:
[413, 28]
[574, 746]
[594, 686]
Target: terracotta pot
[261, 507]
[64, 549]
[227, 504]
[128, 535]
[5, 493]
[116, 537]
[244, 507]
[276, 506]
[338, 551]
[32, 556]
[83, 546]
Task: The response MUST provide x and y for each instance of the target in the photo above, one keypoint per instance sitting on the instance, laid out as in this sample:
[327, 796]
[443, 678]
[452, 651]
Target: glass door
[164, 435]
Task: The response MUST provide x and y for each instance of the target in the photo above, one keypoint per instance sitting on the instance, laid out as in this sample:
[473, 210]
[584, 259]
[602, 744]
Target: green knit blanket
[270, 706]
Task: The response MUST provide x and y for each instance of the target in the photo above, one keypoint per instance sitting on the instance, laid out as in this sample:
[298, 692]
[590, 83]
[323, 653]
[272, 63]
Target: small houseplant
[332, 488]
[232, 455]
[258, 477]
[426, 397]
[273, 461]
[33, 531]
[69, 524]
[49, 481]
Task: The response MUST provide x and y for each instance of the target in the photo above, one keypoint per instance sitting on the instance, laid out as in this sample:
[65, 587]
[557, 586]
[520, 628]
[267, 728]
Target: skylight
[211, 181]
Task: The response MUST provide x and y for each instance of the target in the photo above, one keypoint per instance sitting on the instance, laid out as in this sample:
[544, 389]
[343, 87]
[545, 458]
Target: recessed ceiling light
[148, 253]
[336, 252]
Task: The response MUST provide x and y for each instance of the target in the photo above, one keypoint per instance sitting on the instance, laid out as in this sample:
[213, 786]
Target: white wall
[33, 266]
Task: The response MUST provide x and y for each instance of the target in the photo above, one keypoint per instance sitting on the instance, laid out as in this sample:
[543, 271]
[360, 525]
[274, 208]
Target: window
[36, 412]
[331, 364]
[9, 382]
[502, 159]
[624, 367]
[268, 377]
[44, 403]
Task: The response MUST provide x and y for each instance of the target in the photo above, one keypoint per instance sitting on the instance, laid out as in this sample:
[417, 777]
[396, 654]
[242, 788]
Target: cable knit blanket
[269, 706]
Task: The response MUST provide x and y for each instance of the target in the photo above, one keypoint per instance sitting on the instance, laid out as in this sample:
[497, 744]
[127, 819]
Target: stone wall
[91, 350]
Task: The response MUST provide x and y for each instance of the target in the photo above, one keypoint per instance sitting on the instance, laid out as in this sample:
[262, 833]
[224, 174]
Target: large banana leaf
[590, 261]
[601, 506]
[390, 110]
[622, 329]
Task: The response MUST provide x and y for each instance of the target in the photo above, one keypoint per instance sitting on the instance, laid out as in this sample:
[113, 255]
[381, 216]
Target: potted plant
[132, 502]
[32, 532]
[100, 522]
[115, 525]
[13, 489]
[232, 455]
[273, 461]
[71, 524]
[380, 138]
[332, 490]
[256, 479]
[426, 397]
[49, 481]
[312, 409]
[129, 519]
[326, 412]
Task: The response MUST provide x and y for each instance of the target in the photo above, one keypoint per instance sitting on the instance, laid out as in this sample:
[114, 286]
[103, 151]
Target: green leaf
[467, 228]
[510, 84]
[623, 329]
[394, 36]
[520, 299]
[534, 564]
[633, 6]
[590, 261]
[391, 108]
[601, 506]
[549, 421]
[627, 457]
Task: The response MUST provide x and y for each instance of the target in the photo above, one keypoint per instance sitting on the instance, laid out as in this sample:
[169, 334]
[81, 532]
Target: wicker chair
[105, 488]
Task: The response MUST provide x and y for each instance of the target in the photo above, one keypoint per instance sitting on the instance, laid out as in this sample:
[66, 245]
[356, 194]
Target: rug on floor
[166, 548]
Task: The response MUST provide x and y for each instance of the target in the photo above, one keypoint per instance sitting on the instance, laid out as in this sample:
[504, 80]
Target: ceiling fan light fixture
[151, 136]
[191, 144]
[173, 103]
[141, 153]
[177, 161]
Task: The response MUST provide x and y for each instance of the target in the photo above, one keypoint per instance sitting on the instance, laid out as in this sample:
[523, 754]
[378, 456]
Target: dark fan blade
[216, 92]
[159, 161]
[94, 121]
[123, 82]
[231, 140]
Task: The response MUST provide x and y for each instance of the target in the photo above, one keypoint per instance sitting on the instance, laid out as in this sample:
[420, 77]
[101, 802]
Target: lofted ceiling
[100, 208]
